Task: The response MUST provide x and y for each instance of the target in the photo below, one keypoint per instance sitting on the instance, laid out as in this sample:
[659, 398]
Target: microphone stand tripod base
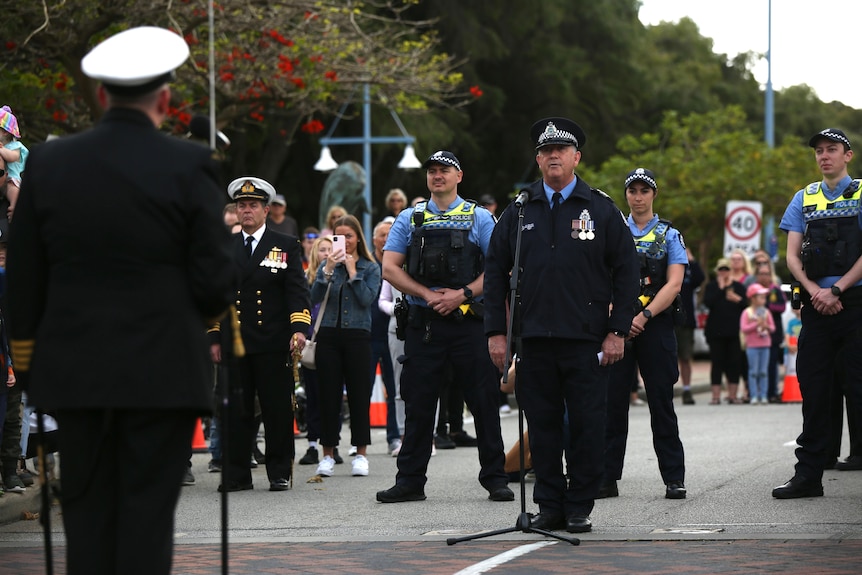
[522, 525]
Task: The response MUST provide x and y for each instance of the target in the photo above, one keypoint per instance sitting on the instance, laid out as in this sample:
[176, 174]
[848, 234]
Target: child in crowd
[15, 154]
[757, 325]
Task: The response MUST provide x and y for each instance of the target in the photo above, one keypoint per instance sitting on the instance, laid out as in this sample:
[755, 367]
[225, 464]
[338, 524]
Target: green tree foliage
[286, 67]
[701, 161]
[278, 63]
[532, 60]
[684, 74]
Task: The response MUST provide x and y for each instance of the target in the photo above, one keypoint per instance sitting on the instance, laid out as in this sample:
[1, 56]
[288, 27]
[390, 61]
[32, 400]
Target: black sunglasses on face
[2, 172]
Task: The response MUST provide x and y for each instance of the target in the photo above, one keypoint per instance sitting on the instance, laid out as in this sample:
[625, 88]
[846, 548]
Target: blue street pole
[769, 111]
[367, 140]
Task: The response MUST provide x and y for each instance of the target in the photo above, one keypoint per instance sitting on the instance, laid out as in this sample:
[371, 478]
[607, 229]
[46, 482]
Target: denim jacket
[354, 298]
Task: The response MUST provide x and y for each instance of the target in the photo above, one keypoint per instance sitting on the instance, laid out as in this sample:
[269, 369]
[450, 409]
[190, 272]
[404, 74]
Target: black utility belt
[418, 316]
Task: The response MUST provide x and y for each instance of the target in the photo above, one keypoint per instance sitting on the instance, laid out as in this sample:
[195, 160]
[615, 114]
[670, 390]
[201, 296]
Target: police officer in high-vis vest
[435, 255]
[824, 244]
[651, 342]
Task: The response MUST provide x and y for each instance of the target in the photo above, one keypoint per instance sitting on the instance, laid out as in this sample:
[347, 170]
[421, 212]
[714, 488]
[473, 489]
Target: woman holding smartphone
[344, 341]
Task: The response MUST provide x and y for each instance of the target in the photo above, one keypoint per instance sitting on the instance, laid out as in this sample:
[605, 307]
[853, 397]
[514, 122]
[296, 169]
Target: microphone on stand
[522, 197]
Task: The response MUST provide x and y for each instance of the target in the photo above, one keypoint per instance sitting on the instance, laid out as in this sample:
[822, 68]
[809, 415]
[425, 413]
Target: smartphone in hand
[338, 245]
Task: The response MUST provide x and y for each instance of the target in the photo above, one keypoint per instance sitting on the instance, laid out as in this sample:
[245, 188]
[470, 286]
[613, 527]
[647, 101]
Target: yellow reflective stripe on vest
[819, 206]
[459, 217]
[643, 243]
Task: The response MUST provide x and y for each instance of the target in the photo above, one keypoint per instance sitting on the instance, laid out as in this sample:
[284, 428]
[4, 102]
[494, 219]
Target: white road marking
[502, 558]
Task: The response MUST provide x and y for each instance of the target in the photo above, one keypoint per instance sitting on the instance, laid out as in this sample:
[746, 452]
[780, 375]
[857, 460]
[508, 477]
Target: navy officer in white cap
[273, 306]
[577, 257]
[108, 327]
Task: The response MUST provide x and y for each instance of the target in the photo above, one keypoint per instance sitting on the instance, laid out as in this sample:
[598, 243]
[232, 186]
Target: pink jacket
[748, 327]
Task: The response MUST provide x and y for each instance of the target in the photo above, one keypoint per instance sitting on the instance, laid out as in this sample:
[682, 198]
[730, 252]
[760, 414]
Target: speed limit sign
[742, 226]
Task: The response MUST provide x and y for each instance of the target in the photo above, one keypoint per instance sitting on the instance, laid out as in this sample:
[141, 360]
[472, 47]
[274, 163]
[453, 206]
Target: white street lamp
[408, 162]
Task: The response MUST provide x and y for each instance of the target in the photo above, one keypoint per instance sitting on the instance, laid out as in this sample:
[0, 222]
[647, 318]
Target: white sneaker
[505, 408]
[352, 451]
[360, 466]
[395, 447]
[326, 466]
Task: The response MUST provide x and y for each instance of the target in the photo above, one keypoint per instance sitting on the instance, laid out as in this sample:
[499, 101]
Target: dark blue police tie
[556, 199]
[248, 250]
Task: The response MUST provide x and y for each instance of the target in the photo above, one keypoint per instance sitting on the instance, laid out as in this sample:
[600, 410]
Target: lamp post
[769, 112]
[409, 161]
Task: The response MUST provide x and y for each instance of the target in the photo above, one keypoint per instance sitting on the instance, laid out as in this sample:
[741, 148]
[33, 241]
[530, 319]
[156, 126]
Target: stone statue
[344, 187]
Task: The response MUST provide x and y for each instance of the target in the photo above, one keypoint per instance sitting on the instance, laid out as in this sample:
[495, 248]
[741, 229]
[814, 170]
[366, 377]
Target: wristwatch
[619, 333]
[468, 293]
[647, 314]
[836, 291]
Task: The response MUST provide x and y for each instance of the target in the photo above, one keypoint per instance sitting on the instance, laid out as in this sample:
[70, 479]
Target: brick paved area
[789, 557]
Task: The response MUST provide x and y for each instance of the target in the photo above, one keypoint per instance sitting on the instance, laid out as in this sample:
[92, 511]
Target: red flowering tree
[282, 67]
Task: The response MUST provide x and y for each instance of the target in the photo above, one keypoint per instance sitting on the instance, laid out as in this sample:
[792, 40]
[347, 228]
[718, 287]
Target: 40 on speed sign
[742, 226]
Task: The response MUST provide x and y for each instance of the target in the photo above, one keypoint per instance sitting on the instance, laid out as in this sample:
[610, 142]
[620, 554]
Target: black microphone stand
[523, 523]
[223, 439]
[45, 492]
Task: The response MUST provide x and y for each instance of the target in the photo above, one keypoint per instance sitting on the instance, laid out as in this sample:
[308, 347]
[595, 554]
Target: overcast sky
[814, 42]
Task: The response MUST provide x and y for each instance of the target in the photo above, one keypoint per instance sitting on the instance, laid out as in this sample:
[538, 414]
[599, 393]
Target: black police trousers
[429, 345]
[820, 341]
[654, 353]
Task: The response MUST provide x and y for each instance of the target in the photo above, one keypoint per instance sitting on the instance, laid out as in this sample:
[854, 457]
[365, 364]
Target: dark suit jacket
[272, 299]
[118, 257]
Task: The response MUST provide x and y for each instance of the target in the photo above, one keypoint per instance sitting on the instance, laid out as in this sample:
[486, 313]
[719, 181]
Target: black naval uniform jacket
[567, 283]
[118, 259]
[272, 299]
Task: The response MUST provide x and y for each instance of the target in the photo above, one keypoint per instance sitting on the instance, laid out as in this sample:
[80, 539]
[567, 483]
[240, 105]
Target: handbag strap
[320, 312]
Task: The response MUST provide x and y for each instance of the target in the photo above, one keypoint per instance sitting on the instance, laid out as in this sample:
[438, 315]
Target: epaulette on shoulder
[668, 223]
[601, 193]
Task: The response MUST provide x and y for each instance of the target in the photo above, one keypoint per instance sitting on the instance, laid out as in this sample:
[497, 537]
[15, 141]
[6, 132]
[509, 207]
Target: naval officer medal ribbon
[275, 260]
[584, 228]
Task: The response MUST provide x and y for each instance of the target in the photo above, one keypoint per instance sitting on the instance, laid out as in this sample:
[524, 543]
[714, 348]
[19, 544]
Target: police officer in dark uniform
[577, 259]
[443, 243]
[107, 314]
[273, 305]
[652, 342]
[824, 253]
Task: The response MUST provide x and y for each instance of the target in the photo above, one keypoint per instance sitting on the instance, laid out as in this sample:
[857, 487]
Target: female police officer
[651, 342]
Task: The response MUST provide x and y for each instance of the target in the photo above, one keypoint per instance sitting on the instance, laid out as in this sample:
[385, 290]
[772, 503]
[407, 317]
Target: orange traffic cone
[377, 410]
[791, 393]
[199, 444]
